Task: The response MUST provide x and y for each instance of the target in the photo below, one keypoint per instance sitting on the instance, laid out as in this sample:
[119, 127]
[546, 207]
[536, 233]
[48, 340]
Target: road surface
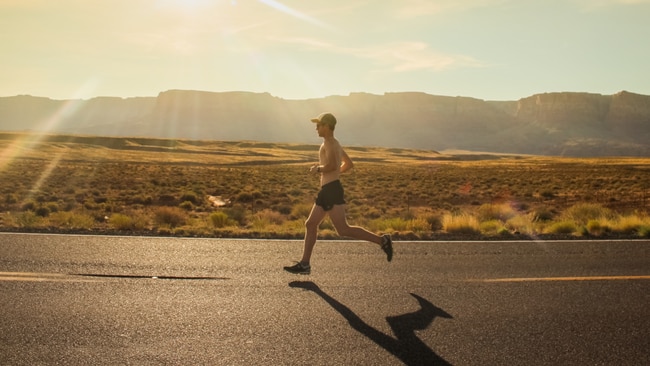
[80, 300]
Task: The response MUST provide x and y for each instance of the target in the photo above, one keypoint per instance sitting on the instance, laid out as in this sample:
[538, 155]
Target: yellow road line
[552, 279]
[72, 277]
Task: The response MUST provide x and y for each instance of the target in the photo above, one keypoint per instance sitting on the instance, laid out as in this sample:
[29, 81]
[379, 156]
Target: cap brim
[315, 120]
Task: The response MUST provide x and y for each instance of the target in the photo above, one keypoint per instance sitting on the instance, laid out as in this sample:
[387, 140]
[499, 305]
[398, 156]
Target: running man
[333, 161]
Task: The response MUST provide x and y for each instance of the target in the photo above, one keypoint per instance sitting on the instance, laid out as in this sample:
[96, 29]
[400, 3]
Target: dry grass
[461, 224]
[151, 186]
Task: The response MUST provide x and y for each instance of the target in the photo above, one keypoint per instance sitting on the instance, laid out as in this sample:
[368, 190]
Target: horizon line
[323, 97]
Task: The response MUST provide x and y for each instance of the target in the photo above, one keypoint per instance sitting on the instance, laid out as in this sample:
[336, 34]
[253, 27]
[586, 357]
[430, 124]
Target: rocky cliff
[576, 124]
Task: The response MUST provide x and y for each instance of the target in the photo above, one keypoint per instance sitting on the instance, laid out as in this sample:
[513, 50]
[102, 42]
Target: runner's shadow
[406, 346]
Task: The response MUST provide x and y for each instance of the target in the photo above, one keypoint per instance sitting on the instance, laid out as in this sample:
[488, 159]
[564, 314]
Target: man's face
[322, 129]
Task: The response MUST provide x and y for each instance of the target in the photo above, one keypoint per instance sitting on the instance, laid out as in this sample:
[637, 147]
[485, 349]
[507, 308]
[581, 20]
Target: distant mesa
[557, 124]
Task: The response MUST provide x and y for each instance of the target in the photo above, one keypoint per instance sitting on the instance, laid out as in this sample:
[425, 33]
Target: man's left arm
[346, 162]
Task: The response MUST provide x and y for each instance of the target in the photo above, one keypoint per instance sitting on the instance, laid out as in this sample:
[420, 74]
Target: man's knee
[343, 229]
[311, 224]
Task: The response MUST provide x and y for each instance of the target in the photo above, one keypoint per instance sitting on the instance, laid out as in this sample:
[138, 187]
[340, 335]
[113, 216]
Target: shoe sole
[388, 249]
[300, 273]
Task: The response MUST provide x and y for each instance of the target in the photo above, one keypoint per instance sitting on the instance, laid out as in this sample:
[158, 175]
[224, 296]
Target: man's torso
[330, 148]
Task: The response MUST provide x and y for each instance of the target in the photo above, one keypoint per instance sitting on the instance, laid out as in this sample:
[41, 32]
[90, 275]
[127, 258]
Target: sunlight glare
[186, 5]
[44, 175]
[28, 141]
[294, 13]
[49, 125]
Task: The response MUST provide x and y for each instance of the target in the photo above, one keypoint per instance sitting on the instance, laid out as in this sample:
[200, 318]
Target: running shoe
[299, 268]
[387, 246]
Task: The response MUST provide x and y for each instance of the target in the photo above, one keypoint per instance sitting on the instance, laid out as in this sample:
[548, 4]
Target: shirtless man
[333, 161]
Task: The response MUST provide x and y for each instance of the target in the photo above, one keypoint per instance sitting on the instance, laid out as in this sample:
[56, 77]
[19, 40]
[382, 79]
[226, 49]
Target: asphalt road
[81, 300]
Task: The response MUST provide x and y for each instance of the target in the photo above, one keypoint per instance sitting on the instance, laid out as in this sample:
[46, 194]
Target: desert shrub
[547, 194]
[267, 220]
[543, 214]
[69, 205]
[522, 206]
[581, 213]
[245, 197]
[220, 219]
[296, 227]
[41, 197]
[523, 224]
[492, 227]
[501, 212]
[238, 214]
[72, 220]
[269, 216]
[140, 200]
[53, 206]
[562, 227]
[595, 227]
[328, 233]
[644, 231]
[327, 225]
[170, 216]
[29, 205]
[166, 199]
[80, 197]
[27, 219]
[399, 224]
[629, 224]
[11, 198]
[126, 222]
[42, 211]
[120, 222]
[388, 224]
[190, 197]
[418, 224]
[90, 204]
[460, 224]
[368, 212]
[186, 205]
[283, 209]
[503, 231]
[435, 222]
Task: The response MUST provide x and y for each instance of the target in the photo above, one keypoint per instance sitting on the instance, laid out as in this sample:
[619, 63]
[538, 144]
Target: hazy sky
[299, 49]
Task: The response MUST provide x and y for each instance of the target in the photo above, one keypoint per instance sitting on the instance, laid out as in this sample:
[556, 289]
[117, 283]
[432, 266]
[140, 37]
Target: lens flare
[293, 12]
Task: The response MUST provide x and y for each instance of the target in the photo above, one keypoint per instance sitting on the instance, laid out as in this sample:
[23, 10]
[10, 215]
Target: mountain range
[554, 124]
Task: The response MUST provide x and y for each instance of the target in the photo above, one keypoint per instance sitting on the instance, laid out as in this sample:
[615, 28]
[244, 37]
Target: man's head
[325, 119]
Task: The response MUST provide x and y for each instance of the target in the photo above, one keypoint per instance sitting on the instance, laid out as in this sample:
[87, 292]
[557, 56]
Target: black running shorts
[330, 194]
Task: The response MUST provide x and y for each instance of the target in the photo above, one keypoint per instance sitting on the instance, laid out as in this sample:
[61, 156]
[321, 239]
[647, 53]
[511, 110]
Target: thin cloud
[407, 9]
[246, 27]
[415, 56]
[396, 57]
[307, 42]
[596, 4]
[293, 12]
[624, 2]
